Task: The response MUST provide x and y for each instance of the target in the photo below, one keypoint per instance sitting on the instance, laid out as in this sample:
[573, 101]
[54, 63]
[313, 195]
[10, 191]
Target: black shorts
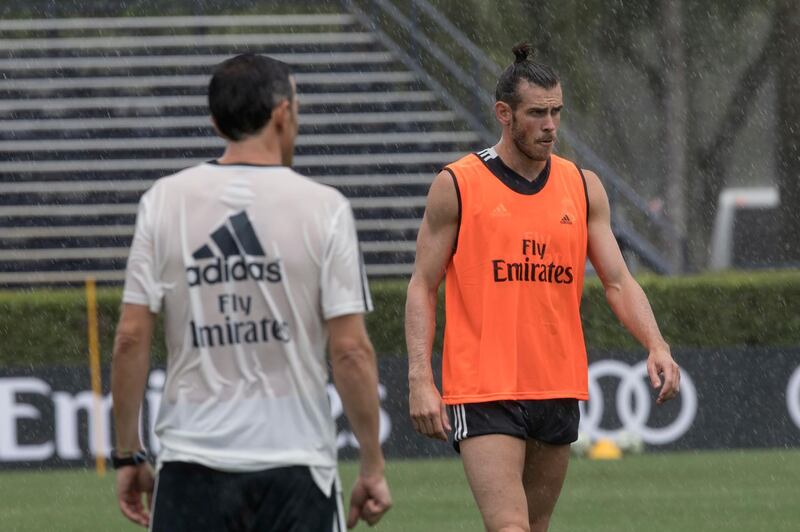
[553, 421]
[193, 498]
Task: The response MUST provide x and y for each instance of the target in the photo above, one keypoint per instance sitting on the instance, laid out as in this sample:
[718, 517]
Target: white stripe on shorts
[460, 422]
[338, 517]
[460, 416]
[153, 507]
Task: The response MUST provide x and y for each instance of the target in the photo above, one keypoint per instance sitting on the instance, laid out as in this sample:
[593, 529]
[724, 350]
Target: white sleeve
[142, 279]
[344, 279]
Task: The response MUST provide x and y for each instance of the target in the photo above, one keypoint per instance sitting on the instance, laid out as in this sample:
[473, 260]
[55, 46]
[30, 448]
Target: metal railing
[464, 76]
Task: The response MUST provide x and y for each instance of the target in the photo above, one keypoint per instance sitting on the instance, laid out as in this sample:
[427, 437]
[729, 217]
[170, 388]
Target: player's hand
[428, 412]
[664, 372]
[369, 500]
[133, 484]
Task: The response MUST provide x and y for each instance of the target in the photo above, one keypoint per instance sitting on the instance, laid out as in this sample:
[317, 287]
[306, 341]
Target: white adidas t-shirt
[247, 263]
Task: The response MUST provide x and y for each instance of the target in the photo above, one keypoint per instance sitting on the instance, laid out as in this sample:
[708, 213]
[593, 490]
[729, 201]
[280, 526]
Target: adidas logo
[245, 240]
[566, 219]
[500, 210]
[234, 243]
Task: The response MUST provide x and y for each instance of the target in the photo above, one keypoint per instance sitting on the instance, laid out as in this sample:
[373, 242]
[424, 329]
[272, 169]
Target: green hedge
[758, 309]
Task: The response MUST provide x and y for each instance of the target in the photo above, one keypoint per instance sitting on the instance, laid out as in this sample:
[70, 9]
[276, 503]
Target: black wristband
[137, 458]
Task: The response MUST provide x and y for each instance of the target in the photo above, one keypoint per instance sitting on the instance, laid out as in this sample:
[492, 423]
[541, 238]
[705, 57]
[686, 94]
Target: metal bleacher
[93, 110]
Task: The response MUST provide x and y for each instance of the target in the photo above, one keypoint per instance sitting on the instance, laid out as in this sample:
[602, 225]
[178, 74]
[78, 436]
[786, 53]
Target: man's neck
[251, 151]
[519, 162]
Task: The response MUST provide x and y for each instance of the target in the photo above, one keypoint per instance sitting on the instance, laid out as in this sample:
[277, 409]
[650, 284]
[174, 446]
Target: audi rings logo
[634, 402]
[793, 397]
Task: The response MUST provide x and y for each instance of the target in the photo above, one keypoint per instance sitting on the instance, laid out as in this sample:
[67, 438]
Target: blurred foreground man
[256, 268]
[511, 227]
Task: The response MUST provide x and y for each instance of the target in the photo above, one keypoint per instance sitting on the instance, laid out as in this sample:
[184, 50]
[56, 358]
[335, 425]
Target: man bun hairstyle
[244, 90]
[523, 67]
[522, 51]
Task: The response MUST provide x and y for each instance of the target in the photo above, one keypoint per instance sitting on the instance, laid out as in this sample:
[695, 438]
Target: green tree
[673, 47]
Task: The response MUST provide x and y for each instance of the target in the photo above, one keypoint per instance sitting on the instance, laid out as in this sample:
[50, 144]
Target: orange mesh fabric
[513, 286]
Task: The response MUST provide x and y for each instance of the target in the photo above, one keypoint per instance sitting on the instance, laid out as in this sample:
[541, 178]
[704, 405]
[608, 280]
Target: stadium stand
[93, 110]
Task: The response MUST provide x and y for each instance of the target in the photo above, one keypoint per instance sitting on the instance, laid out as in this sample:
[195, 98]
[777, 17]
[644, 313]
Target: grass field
[708, 491]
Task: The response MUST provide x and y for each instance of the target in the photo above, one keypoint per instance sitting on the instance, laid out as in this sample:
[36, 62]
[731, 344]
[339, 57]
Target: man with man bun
[510, 228]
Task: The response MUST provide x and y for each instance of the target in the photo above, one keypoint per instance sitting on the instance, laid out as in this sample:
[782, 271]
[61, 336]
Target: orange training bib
[513, 287]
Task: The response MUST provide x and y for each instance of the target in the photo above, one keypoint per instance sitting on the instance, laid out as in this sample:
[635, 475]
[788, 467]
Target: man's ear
[503, 113]
[282, 115]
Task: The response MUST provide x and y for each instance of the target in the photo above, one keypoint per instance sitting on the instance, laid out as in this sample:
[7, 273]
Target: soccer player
[511, 227]
[256, 268]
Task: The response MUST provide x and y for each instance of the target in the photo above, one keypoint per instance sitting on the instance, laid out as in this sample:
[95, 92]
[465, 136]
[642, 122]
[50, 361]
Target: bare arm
[129, 366]
[435, 241]
[624, 295]
[355, 375]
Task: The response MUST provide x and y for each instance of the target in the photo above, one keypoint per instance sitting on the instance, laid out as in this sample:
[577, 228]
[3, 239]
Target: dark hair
[244, 90]
[523, 67]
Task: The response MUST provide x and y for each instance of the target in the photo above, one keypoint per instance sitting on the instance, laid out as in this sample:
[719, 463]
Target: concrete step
[159, 103]
[113, 62]
[121, 83]
[170, 23]
[191, 42]
[181, 143]
[100, 125]
[174, 164]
